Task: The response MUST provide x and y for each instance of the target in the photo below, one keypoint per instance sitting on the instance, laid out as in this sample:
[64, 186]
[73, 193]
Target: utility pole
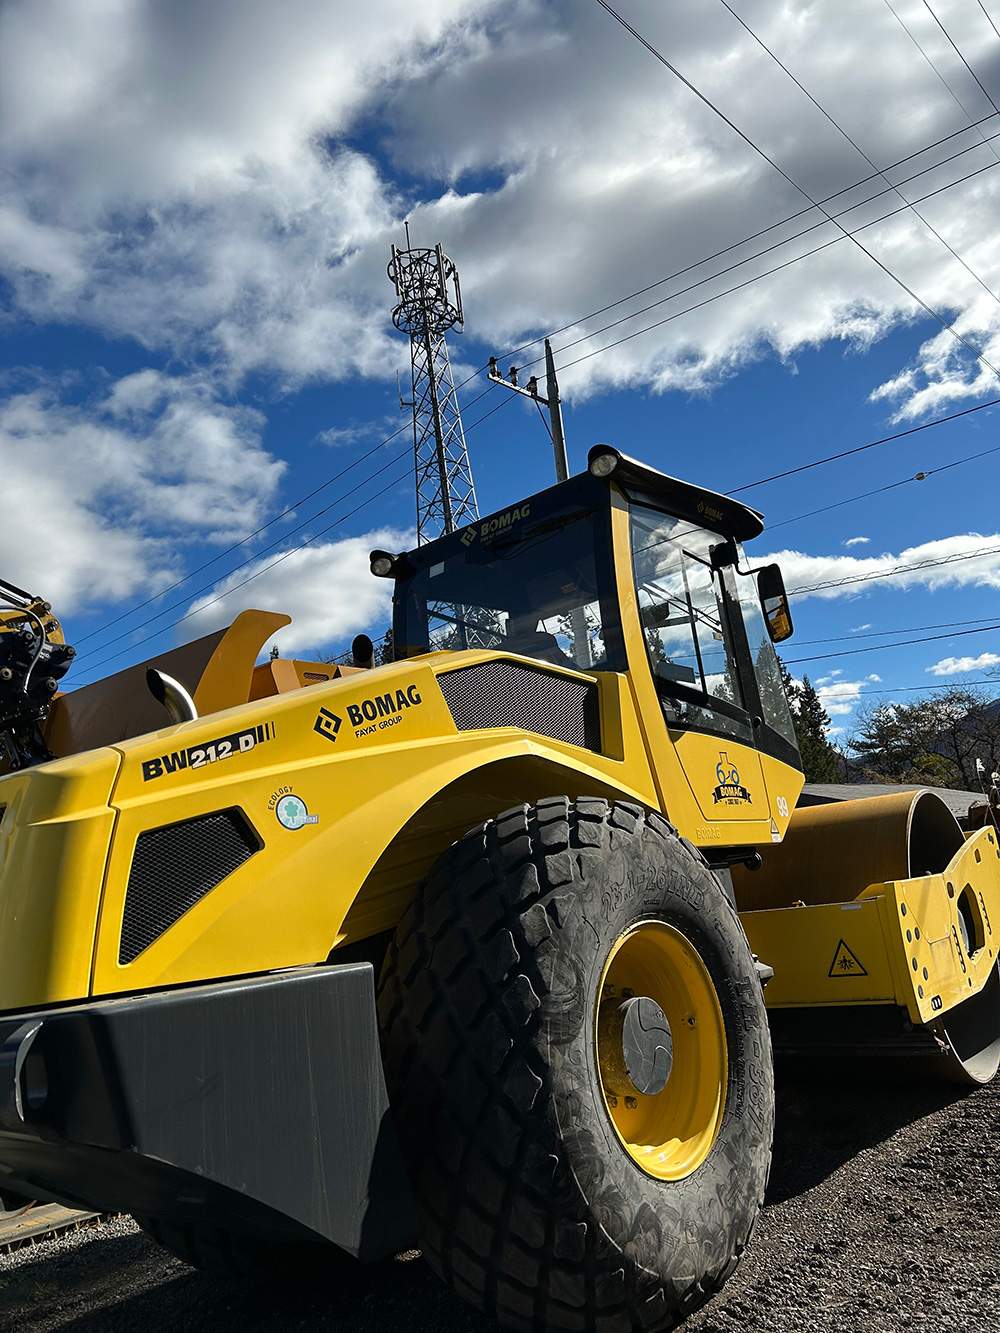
[429, 303]
[552, 401]
[579, 631]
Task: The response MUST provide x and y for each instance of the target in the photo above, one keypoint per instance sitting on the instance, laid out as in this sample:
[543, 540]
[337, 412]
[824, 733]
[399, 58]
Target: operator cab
[549, 577]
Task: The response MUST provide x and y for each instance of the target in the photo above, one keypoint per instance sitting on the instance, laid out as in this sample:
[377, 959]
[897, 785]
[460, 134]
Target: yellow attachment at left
[55, 832]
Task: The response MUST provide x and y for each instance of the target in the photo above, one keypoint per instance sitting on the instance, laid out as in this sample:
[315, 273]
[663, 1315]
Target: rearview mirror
[774, 601]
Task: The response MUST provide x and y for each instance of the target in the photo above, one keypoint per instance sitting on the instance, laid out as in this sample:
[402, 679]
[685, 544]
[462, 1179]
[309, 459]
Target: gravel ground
[882, 1213]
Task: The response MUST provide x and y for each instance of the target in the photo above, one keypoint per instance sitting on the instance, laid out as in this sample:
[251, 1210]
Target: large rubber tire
[530, 1204]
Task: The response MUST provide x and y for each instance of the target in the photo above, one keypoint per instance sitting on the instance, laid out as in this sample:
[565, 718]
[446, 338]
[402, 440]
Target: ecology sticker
[292, 813]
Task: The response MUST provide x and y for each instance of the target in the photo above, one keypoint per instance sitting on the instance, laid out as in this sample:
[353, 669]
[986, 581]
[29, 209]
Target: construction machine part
[217, 671]
[578, 1062]
[874, 903]
[831, 853]
[34, 656]
[34, 1223]
[228, 1117]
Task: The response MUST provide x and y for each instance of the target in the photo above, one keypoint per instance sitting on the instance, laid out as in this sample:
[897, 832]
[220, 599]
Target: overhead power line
[805, 193]
[899, 643]
[276, 518]
[900, 689]
[264, 568]
[292, 508]
[896, 571]
[818, 204]
[250, 560]
[857, 147]
[954, 47]
[791, 217]
[988, 19]
[737, 287]
[881, 633]
[860, 448]
[880, 490]
[937, 73]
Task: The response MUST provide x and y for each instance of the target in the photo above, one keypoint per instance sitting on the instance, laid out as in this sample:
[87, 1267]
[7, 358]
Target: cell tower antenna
[429, 303]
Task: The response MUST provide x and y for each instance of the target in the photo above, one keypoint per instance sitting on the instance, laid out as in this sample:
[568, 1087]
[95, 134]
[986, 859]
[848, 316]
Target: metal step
[39, 1222]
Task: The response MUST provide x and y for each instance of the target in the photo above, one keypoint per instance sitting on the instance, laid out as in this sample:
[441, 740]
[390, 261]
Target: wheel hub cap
[636, 1047]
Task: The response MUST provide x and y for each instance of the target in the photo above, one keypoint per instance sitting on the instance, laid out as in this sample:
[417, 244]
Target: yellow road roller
[485, 948]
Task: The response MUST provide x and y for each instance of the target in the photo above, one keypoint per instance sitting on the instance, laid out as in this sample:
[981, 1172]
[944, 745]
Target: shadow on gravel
[825, 1117]
[129, 1285]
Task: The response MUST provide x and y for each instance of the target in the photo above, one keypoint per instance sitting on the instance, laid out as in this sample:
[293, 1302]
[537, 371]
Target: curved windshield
[682, 608]
[527, 582]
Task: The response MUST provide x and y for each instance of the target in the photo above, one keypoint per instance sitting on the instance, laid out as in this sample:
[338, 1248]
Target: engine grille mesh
[174, 867]
[507, 694]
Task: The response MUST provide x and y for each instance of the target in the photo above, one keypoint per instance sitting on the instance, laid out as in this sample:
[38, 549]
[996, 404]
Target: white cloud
[950, 666]
[365, 432]
[857, 541]
[858, 628]
[804, 573]
[327, 589]
[222, 181]
[108, 488]
[842, 696]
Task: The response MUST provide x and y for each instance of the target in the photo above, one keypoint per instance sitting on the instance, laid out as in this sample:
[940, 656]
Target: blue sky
[195, 319]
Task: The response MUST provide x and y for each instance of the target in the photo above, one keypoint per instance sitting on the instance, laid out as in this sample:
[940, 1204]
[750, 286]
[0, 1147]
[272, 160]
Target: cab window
[770, 688]
[684, 612]
[541, 588]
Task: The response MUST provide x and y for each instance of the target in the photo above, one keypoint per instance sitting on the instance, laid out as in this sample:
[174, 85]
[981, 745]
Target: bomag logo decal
[729, 791]
[708, 511]
[327, 724]
[492, 526]
[210, 752]
[382, 710]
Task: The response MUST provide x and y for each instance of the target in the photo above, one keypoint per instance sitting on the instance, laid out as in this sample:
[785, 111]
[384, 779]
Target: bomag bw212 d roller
[484, 947]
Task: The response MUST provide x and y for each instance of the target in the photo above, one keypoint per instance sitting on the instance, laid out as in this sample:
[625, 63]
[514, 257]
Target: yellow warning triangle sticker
[845, 964]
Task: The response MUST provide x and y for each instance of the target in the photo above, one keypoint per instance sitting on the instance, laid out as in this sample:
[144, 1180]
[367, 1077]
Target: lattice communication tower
[429, 303]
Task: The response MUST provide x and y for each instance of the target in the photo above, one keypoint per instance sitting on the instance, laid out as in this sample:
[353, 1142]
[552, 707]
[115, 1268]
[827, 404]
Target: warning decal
[845, 964]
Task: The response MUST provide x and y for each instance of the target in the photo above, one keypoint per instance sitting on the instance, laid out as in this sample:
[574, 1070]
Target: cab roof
[638, 481]
[647, 485]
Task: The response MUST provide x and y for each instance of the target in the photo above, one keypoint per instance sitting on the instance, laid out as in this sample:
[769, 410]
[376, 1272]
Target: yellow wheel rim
[670, 1131]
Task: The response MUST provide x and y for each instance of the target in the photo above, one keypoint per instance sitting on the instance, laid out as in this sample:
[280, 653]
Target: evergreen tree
[384, 651]
[820, 762]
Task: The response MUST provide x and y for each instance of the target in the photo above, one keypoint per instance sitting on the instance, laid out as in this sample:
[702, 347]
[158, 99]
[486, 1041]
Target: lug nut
[6, 673]
[627, 992]
[631, 1103]
[612, 1100]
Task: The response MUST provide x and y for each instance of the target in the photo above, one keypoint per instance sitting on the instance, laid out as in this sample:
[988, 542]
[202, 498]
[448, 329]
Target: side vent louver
[507, 694]
[174, 867]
